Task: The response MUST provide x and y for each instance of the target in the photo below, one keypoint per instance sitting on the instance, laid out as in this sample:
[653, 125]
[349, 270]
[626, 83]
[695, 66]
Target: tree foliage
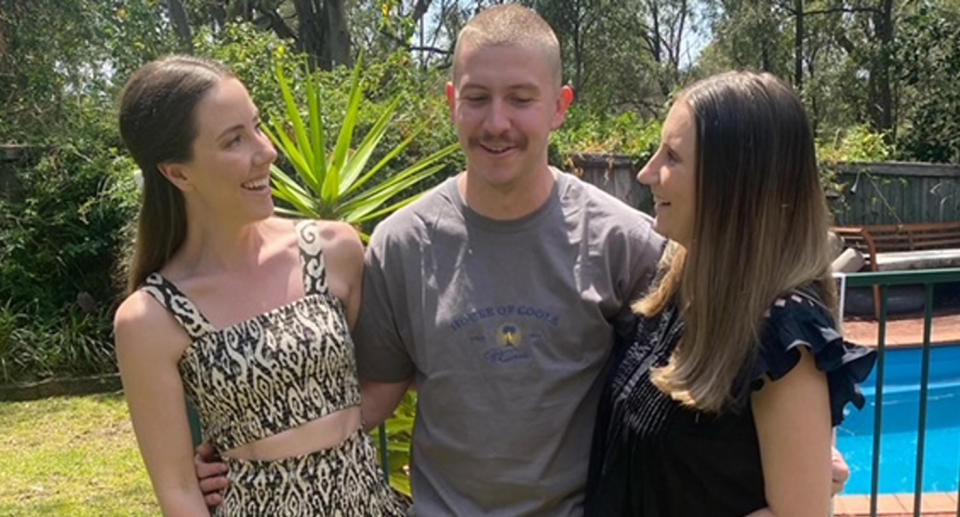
[877, 77]
[928, 50]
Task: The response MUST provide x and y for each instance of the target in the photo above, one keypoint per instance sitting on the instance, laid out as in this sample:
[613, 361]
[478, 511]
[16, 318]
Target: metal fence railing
[884, 280]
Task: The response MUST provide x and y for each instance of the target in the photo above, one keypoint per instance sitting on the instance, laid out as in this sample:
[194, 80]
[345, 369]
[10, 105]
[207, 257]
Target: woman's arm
[149, 344]
[792, 416]
[343, 258]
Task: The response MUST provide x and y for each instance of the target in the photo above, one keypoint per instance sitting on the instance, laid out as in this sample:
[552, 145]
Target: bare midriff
[326, 432]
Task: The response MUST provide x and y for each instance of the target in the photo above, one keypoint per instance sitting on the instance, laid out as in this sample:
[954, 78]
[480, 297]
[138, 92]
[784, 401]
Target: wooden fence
[865, 193]
[616, 174]
[896, 193]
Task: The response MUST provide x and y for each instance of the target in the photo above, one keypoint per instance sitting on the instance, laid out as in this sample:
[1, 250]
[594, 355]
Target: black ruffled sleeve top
[652, 457]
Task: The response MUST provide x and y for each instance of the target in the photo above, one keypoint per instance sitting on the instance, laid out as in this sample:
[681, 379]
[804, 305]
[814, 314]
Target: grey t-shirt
[507, 326]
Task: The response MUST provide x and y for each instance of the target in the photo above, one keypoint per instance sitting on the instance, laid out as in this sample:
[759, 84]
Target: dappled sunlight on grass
[71, 456]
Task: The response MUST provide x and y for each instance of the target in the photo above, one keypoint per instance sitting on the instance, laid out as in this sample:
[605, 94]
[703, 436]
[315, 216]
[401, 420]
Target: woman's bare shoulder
[339, 240]
[141, 323]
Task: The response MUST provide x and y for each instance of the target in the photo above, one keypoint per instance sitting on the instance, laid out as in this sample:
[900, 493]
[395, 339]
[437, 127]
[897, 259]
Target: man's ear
[564, 100]
[451, 97]
[175, 173]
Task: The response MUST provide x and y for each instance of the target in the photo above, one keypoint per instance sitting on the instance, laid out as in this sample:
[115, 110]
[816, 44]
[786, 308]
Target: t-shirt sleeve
[381, 351]
[643, 249]
[795, 320]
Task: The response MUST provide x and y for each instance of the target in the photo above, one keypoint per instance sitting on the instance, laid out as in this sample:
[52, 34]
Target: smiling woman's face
[229, 171]
[671, 175]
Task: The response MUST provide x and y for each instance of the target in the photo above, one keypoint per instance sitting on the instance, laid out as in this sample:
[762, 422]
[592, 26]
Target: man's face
[504, 104]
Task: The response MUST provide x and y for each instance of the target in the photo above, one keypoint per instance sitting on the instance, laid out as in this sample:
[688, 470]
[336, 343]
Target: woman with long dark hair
[722, 401]
[245, 314]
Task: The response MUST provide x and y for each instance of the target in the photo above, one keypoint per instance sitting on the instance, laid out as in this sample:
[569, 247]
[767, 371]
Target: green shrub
[399, 436]
[62, 237]
[585, 131]
[60, 240]
[855, 144]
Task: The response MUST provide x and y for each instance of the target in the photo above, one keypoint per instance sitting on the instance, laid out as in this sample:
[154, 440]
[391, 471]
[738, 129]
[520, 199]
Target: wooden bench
[897, 247]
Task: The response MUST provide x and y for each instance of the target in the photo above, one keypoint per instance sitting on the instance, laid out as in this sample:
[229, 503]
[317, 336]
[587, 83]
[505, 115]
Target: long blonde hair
[760, 229]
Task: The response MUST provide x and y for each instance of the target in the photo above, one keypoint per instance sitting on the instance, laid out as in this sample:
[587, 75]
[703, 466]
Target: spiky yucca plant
[336, 183]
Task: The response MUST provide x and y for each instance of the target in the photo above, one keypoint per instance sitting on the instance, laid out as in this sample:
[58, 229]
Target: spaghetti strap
[311, 255]
[180, 307]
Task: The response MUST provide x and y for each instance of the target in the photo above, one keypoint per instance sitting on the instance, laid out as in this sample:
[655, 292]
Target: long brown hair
[760, 229]
[157, 125]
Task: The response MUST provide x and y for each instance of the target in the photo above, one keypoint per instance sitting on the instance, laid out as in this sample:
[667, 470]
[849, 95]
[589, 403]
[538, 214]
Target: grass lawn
[71, 456]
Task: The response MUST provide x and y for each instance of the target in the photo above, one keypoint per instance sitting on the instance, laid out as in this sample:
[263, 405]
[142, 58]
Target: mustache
[497, 141]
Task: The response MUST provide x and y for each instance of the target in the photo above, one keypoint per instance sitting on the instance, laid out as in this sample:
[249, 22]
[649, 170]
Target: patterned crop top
[274, 371]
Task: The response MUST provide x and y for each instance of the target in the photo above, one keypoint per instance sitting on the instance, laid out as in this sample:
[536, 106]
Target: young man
[499, 291]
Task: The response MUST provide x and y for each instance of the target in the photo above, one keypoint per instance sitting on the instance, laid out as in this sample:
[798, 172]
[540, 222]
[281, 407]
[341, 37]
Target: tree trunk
[881, 97]
[276, 22]
[179, 17]
[578, 57]
[678, 44]
[798, 47]
[310, 24]
[419, 10]
[657, 38]
[337, 34]
[218, 13]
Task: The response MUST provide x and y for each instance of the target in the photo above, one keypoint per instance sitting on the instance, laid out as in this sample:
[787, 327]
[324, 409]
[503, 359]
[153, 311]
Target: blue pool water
[901, 405]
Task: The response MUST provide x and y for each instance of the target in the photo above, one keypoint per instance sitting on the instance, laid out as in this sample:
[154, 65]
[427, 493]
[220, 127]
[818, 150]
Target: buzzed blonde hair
[510, 25]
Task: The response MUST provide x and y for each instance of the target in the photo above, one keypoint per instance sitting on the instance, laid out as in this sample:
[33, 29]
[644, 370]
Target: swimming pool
[901, 405]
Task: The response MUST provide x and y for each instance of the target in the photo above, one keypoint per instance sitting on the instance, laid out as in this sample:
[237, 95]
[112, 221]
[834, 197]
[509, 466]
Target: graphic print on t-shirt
[505, 333]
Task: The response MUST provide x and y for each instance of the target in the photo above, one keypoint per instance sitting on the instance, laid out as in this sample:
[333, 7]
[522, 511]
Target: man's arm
[383, 327]
[380, 400]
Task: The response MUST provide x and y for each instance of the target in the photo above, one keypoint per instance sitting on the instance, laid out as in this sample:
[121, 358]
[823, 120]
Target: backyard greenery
[333, 182]
[877, 76]
[66, 205]
[72, 456]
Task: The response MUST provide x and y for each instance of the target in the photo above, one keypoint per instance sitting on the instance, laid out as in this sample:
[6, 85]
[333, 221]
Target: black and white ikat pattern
[274, 372]
[311, 253]
[335, 482]
[182, 309]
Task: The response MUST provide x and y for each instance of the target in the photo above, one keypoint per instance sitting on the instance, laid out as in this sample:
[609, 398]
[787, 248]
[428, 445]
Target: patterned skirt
[344, 481]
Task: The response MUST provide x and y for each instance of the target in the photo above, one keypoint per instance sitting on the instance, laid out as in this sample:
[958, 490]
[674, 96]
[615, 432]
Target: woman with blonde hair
[244, 313]
[721, 403]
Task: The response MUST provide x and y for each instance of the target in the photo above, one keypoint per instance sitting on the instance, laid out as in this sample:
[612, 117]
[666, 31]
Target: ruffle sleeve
[797, 320]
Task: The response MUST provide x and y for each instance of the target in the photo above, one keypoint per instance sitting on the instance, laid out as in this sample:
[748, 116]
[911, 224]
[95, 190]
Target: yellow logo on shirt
[509, 335]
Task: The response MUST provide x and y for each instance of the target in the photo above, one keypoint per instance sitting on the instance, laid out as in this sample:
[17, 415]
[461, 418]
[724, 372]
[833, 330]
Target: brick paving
[932, 504]
[906, 331]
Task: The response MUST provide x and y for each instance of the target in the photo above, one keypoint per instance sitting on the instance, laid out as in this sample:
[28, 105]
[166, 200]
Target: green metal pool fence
[882, 281]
